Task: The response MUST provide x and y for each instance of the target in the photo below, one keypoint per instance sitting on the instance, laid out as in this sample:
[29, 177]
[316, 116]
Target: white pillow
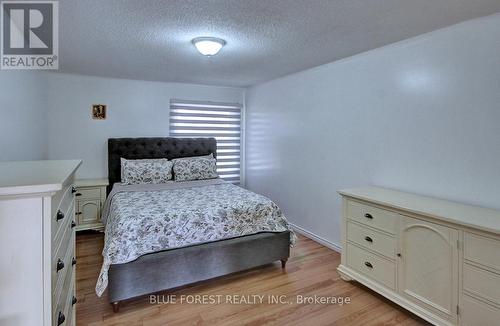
[146, 171]
[195, 168]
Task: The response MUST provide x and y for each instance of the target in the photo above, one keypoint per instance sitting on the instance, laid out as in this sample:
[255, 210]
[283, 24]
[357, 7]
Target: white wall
[134, 109]
[23, 115]
[422, 115]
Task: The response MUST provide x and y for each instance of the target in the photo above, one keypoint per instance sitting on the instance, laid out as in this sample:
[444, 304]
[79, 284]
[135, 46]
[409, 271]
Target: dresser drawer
[58, 220]
[88, 193]
[482, 283]
[379, 269]
[474, 312]
[62, 241]
[59, 196]
[482, 250]
[372, 216]
[71, 305]
[66, 255]
[70, 311]
[64, 303]
[371, 239]
[61, 297]
[66, 228]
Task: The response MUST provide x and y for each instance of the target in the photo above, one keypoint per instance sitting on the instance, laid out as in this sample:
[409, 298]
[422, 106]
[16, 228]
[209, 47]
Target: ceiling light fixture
[208, 45]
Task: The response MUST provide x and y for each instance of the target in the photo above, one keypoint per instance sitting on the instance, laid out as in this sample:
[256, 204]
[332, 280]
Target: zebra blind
[208, 119]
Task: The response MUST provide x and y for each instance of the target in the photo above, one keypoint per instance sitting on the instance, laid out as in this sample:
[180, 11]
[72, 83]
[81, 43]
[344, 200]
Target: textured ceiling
[150, 39]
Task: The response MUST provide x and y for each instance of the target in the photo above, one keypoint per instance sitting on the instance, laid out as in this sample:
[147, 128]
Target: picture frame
[99, 111]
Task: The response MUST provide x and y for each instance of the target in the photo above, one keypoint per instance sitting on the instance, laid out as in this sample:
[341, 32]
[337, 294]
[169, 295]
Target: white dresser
[438, 259]
[37, 243]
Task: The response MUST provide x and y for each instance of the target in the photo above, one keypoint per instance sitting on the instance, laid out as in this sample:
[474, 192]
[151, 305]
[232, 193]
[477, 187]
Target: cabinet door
[89, 211]
[428, 266]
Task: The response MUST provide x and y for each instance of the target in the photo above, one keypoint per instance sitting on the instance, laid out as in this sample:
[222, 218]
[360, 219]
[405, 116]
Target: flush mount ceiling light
[208, 45]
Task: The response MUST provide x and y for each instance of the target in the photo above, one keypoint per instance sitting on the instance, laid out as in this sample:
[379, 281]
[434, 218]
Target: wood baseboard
[317, 238]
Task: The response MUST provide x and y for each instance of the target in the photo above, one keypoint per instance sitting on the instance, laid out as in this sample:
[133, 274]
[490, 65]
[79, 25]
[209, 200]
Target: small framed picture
[98, 111]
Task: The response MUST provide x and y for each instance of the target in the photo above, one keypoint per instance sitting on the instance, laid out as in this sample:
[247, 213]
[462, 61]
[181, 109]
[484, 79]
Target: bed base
[178, 267]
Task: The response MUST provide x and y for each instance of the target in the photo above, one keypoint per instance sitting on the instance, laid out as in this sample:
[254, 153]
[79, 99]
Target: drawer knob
[60, 318]
[60, 215]
[73, 224]
[60, 265]
[368, 215]
[73, 261]
[399, 255]
[74, 300]
[369, 265]
[73, 190]
[78, 194]
[367, 238]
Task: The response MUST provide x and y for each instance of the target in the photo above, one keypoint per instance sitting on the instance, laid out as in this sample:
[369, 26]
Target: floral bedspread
[142, 219]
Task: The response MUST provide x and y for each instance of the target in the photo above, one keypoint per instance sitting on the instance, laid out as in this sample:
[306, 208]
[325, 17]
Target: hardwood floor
[310, 271]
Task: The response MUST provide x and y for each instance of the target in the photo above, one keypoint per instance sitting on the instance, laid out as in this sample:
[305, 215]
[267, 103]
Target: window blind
[209, 119]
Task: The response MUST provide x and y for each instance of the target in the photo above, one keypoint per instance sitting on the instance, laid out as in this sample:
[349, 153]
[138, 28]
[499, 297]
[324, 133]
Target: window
[208, 119]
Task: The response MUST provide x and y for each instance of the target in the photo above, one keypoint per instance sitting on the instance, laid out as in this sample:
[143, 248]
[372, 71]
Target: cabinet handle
[367, 238]
[73, 261]
[73, 224]
[60, 265]
[59, 216]
[369, 265]
[60, 318]
[73, 190]
[78, 194]
[367, 215]
[74, 300]
[78, 213]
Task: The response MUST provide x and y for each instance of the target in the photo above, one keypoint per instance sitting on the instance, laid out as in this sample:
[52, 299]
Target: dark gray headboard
[140, 148]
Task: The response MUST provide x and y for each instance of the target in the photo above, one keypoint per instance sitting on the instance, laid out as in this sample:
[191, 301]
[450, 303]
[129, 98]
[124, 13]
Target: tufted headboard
[167, 147]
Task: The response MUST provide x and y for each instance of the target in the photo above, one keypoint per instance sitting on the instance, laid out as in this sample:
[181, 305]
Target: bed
[172, 268]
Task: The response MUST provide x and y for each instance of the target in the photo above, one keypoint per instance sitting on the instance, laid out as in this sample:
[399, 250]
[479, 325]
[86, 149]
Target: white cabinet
[438, 259]
[89, 212]
[37, 243]
[428, 266]
[90, 197]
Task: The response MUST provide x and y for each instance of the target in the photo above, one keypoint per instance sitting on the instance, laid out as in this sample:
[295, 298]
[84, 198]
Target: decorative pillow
[191, 157]
[146, 171]
[195, 168]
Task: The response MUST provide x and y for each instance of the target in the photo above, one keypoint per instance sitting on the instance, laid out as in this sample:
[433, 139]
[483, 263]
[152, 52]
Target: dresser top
[476, 217]
[29, 177]
[91, 182]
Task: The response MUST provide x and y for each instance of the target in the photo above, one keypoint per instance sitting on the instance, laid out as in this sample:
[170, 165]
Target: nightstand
[89, 200]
